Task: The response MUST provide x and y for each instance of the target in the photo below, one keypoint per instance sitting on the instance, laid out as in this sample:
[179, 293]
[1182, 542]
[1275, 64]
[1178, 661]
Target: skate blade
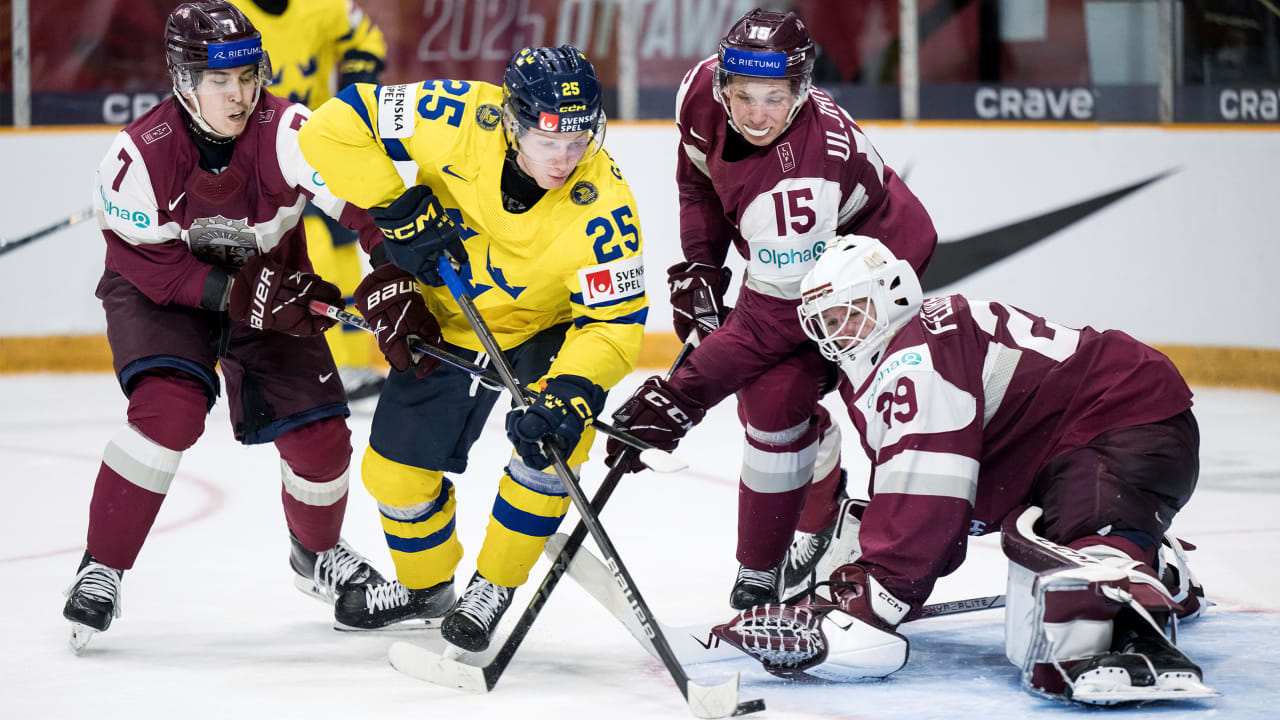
[80, 636]
[413, 625]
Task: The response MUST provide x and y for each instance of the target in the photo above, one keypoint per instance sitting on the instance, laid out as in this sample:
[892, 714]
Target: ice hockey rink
[212, 626]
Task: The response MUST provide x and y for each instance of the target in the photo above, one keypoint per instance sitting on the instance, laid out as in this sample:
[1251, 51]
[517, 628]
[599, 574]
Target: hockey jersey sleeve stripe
[420, 544]
[918, 472]
[351, 96]
[577, 299]
[636, 318]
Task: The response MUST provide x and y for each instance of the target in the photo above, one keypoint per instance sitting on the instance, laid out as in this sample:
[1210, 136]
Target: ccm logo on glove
[427, 218]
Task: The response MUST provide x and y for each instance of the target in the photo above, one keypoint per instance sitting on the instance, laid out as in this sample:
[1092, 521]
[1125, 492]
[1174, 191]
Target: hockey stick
[706, 702]
[652, 457]
[696, 643]
[7, 245]
[416, 662]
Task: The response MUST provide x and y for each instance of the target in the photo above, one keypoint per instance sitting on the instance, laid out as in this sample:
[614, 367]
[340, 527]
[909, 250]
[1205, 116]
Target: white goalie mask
[854, 299]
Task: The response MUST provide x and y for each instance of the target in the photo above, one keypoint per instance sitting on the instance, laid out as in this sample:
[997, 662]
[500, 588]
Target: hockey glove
[267, 296]
[559, 415]
[657, 414]
[697, 298]
[390, 300]
[358, 66]
[417, 230]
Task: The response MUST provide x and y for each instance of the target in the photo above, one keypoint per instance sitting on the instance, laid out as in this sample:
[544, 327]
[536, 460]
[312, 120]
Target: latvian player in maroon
[200, 202]
[774, 168]
[977, 416]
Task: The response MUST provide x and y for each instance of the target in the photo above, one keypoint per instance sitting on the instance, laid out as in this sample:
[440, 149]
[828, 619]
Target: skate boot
[756, 587]
[328, 574]
[378, 605]
[470, 624]
[1172, 669]
[93, 600]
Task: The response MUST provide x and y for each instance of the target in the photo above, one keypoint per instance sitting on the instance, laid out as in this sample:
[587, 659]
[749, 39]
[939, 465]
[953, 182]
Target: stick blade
[714, 701]
[423, 664]
[662, 461]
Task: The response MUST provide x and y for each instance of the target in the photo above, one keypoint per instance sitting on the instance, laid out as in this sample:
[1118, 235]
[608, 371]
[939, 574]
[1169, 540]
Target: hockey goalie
[1078, 445]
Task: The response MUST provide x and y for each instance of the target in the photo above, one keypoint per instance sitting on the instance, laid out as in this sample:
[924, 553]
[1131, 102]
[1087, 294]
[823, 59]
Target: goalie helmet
[853, 300]
[555, 90]
[768, 45]
[210, 35]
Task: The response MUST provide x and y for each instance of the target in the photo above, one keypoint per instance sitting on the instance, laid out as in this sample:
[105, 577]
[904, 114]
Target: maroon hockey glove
[267, 296]
[697, 297]
[390, 300]
[657, 414]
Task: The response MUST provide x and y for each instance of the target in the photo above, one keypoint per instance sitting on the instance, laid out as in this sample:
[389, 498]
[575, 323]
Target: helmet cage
[846, 321]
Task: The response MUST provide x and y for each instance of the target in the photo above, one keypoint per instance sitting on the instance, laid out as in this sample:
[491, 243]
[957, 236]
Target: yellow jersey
[307, 40]
[576, 255]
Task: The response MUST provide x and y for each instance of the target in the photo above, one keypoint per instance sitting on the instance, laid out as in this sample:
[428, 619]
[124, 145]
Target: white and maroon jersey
[783, 204]
[167, 221]
[969, 402]
[780, 207]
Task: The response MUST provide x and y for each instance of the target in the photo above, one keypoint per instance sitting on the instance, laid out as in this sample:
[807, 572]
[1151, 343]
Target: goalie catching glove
[389, 299]
[417, 230]
[697, 298]
[558, 415]
[850, 636]
[657, 414]
[267, 296]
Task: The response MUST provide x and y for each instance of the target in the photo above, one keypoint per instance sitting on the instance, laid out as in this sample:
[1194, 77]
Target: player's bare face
[849, 324]
[550, 158]
[760, 107]
[225, 97]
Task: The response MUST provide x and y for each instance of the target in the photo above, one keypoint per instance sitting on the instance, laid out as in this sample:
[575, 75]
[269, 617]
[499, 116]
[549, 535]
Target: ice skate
[470, 624]
[386, 604]
[93, 600]
[756, 587]
[328, 574]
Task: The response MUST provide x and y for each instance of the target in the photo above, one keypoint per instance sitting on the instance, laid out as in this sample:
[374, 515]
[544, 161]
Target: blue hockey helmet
[553, 90]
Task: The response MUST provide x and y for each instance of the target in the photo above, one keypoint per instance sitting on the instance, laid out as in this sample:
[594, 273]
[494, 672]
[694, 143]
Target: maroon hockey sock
[821, 503]
[314, 488]
[120, 517]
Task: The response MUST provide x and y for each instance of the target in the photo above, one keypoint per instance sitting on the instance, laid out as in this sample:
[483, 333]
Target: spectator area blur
[101, 62]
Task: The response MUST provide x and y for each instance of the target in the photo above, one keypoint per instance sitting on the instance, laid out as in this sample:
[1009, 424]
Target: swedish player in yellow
[513, 185]
[306, 41]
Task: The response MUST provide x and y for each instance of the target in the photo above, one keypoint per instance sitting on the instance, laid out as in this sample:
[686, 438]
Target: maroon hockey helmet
[200, 36]
[767, 44]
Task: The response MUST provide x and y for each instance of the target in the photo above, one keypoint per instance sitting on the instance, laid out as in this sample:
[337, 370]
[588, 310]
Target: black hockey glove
[697, 298]
[657, 414]
[358, 66]
[417, 230]
[559, 415]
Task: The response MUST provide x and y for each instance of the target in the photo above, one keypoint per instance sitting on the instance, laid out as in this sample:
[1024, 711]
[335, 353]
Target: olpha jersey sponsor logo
[137, 217]
[788, 257]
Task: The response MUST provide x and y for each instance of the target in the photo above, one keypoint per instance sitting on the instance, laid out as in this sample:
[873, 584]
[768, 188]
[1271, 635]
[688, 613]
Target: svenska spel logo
[549, 122]
[599, 283]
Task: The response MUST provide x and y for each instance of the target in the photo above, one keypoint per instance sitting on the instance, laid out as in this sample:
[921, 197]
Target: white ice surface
[212, 626]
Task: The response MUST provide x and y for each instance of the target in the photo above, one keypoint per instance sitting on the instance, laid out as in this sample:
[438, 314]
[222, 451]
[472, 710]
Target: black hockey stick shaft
[571, 486]
[7, 245]
[322, 308]
[560, 566]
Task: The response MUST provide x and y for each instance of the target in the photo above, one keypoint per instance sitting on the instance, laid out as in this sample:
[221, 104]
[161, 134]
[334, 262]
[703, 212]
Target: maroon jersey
[968, 404]
[780, 206]
[167, 221]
